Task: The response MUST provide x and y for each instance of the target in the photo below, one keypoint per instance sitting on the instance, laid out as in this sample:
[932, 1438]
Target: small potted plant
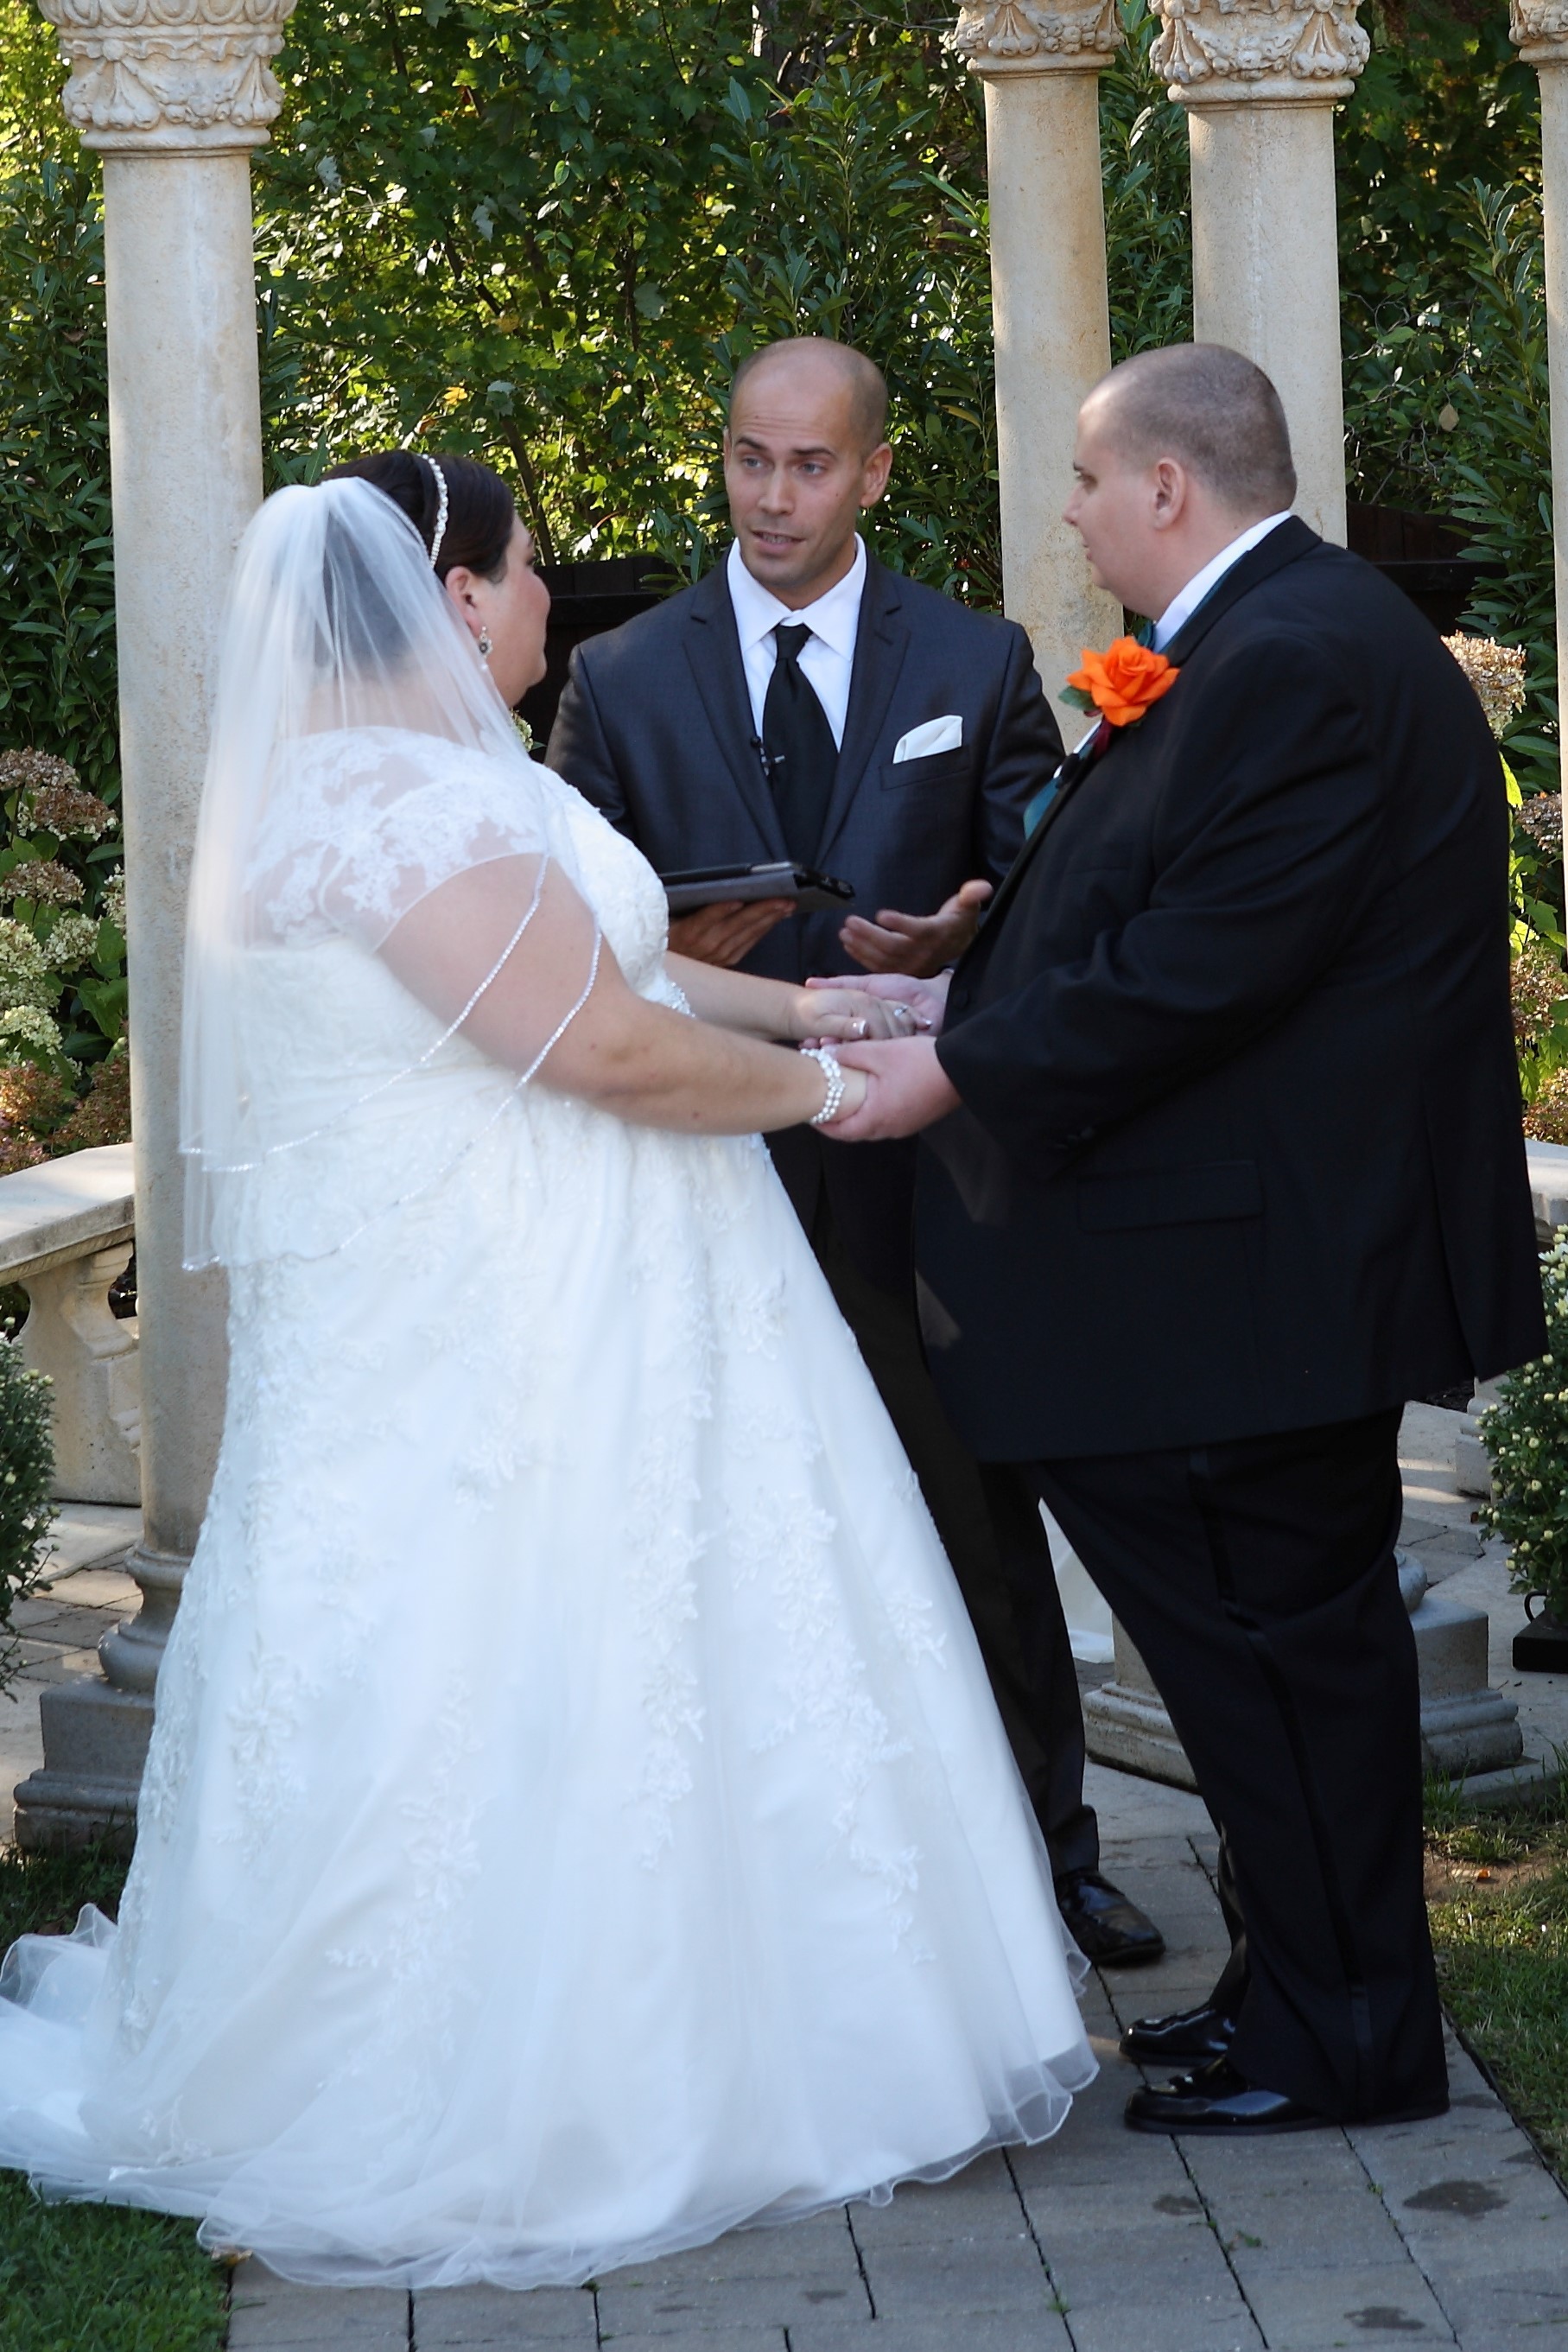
[1526, 1436]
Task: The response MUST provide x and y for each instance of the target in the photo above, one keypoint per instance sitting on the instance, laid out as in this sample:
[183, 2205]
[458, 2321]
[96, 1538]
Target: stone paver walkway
[1446, 2233]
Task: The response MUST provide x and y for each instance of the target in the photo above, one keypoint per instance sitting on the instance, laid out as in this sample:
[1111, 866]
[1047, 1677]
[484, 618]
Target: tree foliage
[542, 231]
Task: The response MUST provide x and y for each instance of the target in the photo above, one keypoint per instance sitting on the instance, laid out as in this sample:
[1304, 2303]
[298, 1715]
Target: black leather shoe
[1216, 2098]
[1197, 2035]
[1219, 2099]
[1106, 1927]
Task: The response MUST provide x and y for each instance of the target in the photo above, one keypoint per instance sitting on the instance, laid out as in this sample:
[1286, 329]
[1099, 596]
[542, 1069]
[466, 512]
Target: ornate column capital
[1540, 30]
[1261, 52]
[1031, 36]
[170, 74]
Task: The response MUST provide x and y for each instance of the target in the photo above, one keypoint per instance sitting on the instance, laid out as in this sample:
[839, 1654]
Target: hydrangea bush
[1526, 1436]
[63, 1080]
[26, 1469]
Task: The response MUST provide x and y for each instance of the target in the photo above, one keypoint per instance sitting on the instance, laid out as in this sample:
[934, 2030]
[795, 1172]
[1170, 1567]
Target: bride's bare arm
[776, 1009]
[646, 1064]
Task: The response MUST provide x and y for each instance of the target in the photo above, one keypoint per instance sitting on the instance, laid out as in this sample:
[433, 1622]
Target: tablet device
[706, 885]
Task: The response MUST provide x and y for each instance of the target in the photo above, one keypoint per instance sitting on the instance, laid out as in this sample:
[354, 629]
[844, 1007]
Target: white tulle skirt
[577, 1820]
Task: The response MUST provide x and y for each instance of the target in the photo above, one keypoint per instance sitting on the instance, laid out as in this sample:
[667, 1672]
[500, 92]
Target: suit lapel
[1070, 776]
[713, 649]
[882, 640]
[1283, 545]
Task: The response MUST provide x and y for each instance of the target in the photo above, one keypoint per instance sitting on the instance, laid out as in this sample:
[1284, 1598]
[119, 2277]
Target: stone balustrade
[65, 1236]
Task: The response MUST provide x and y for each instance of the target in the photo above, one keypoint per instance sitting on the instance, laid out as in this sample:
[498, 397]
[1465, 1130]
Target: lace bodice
[365, 823]
[359, 1097]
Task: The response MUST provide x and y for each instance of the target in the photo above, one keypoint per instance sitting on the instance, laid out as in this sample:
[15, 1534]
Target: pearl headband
[439, 533]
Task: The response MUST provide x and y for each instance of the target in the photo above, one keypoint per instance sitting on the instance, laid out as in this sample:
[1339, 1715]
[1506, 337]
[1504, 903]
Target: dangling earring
[485, 644]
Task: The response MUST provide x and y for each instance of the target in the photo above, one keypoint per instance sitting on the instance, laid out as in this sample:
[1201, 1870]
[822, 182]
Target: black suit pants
[991, 1532]
[1257, 1578]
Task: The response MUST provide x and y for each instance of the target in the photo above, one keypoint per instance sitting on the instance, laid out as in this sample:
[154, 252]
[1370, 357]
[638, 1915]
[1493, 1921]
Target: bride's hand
[826, 1014]
[911, 1008]
[856, 1084]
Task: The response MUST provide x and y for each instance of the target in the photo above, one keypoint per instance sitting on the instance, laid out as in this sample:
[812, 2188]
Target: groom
[1225, 1164]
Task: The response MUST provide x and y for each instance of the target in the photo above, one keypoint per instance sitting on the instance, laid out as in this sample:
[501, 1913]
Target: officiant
[803, 703]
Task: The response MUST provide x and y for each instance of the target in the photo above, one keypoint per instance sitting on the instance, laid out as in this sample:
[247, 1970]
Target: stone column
[1041, 67]
[1540, 29]
[174, 93]
[1259, 80]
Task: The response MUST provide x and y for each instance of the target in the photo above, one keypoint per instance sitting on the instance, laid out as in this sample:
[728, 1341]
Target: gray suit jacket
[655, 727]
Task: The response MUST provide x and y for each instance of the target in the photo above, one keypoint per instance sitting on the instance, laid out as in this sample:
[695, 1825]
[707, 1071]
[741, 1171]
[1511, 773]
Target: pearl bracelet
[835, 1076]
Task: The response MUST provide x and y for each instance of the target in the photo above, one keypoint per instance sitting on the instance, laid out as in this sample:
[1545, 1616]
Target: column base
[1125, 1724]
[95, 1746]
[1466, 1727]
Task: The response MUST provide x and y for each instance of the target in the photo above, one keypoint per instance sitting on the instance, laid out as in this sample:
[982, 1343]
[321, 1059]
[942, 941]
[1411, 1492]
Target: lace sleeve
[366, 825]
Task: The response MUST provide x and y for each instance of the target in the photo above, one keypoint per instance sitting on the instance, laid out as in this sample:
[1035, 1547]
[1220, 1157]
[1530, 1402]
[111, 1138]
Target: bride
[577, 1821]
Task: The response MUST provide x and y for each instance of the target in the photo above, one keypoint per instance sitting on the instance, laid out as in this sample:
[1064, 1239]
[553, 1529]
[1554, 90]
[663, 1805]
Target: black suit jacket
[1240, 1149]
[655, 727]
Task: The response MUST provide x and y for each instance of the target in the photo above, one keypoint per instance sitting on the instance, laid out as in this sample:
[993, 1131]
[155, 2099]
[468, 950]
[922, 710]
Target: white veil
[361, 762]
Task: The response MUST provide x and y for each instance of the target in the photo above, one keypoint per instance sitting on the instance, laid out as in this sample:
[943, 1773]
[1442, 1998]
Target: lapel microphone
[772, 761]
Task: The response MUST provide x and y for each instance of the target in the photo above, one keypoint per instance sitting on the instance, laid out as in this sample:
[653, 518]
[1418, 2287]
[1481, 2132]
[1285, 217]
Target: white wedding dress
[577, 1821]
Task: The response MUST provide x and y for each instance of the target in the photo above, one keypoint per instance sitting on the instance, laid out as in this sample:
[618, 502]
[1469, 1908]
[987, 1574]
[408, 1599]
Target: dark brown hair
[480, 514]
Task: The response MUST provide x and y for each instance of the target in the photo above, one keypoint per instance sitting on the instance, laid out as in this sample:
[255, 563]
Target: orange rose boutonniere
[1121, 682]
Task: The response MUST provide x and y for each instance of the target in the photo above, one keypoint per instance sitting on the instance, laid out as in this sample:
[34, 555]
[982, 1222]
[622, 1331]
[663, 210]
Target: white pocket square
[936, 735]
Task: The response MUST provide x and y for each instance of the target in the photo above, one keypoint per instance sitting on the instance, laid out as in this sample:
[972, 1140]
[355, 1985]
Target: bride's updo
[480, 514]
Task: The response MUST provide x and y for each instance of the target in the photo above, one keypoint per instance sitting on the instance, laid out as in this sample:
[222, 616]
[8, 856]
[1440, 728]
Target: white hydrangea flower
[29, 1024]
[113, 901]
[25, 975]
[71, 942]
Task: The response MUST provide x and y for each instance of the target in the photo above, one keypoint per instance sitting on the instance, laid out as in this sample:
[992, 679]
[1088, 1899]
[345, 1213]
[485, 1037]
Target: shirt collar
[834, 617]
[1182, 607]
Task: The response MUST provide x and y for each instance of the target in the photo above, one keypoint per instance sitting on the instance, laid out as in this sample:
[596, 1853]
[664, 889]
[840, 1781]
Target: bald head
[808, 364]
[803, 456]
[1213, 411]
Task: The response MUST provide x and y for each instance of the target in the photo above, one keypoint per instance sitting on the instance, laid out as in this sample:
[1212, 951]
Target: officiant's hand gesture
[917, 945]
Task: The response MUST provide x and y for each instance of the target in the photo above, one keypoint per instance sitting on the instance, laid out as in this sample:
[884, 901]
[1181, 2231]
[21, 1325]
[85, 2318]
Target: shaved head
[1210, 409]
[816, 358]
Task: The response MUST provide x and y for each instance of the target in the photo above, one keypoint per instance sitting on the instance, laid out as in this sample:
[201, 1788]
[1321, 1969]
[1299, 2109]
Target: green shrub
[1526, 1435]
[56, 573]
[26, 1467]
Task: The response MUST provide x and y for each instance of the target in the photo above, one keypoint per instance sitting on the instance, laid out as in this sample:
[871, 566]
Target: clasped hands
[885, 1027]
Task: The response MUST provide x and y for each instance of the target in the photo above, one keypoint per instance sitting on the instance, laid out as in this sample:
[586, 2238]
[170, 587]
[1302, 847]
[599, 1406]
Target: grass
[1497, 1889]
[92, 2278]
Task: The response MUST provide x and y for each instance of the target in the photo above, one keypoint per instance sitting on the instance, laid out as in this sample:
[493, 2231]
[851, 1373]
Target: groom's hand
[907, 1088]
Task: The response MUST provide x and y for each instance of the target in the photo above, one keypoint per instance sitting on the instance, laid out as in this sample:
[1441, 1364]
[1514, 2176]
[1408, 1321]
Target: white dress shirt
[1181, 608]
[827, 656]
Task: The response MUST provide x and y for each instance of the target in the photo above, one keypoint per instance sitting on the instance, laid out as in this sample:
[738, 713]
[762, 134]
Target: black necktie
[797, 746]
